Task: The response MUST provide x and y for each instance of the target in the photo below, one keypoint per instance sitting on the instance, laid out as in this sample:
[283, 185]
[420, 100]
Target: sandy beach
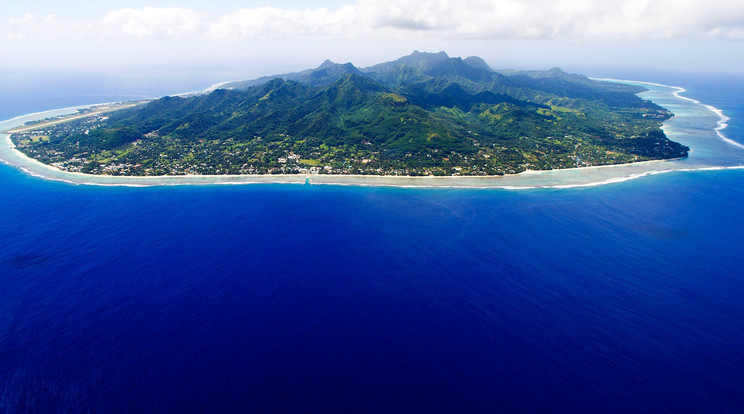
[95, 110]
[710, 150]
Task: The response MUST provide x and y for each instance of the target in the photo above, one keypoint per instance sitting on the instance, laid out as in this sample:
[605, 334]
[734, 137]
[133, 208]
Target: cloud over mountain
[466, 19]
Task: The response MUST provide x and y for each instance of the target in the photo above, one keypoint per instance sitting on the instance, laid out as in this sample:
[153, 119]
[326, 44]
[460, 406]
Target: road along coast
[695, 124]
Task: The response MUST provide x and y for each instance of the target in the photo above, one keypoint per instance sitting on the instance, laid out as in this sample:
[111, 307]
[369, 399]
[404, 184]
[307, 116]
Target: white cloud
[33, 27]
[560, 19]
[435, 19]
[150, 22]
[281, 23]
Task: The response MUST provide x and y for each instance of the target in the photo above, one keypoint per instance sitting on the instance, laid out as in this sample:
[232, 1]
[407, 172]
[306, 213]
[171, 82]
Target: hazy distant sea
[620, 298]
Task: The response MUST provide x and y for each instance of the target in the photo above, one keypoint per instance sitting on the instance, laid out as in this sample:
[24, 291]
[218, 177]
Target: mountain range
[422, 114]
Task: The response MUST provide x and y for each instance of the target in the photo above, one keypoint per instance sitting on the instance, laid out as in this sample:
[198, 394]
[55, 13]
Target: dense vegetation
[424, 114]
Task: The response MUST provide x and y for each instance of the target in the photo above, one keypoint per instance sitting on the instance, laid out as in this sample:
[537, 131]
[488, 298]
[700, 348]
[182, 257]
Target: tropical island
[425, 114]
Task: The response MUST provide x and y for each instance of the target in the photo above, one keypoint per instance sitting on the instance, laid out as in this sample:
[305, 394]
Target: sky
[231, 39]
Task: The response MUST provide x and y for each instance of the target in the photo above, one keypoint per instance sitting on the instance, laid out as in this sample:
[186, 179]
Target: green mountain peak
[421, 114]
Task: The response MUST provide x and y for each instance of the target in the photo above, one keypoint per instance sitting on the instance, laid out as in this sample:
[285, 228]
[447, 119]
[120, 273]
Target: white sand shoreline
[531, 179]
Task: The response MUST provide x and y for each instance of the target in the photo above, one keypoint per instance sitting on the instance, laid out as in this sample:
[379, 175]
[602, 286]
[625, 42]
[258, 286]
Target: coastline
[685, 109]
[97, 109]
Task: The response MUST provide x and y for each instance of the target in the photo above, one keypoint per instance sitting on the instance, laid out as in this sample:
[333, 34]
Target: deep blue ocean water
[285, 298]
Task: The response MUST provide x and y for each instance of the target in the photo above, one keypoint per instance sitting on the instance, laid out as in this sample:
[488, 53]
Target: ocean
[626, 297]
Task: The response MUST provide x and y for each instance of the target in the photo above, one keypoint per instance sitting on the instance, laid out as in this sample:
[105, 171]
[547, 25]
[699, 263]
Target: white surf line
[146, 181]
[218, 86]
[35, 115]
[721, 125]
[614, 180]
[722, 118]
[204, 91]
[61, 112]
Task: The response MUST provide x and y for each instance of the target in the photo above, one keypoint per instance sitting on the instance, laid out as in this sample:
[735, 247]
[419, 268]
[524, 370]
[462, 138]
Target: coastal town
[446, 117]
[153, 155]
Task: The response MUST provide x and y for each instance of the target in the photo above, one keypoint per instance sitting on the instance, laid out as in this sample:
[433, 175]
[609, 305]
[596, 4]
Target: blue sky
[249, 38]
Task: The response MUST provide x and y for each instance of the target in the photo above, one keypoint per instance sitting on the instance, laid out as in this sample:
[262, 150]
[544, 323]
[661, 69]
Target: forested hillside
[423, 114]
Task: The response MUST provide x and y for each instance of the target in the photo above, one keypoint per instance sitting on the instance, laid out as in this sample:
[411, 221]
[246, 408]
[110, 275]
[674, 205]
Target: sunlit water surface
[625, 297]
